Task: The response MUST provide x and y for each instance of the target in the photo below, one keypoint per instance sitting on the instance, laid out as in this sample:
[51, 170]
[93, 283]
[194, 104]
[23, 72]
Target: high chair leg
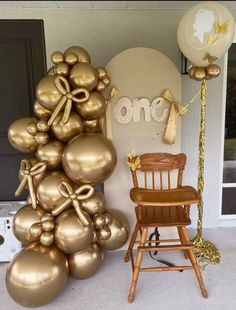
[137, 266]
[183, 241]
[131, 244]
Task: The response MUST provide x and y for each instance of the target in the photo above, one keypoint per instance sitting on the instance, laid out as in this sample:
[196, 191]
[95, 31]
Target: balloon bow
[175, 110]
[73, 197]
[29, 171]
[77, 95]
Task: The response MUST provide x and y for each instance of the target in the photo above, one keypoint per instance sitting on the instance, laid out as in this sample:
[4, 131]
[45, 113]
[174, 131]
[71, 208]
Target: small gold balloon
[84, 264]
[51, 154]
[32, 128]
[101, 86]
[51, 71]
[47, 93]
[191, 72]
[70, 234]
[20, 138]
[57, 57]
[93, 108]
[94, 125]
[40, 111]
[41, 138]
[107, 81]
[99, 220]
[65, 132]
[213, 71]
[102, 72]
[108, 218]
[81, 54]
[47, 216]
[48, 225]
[89, 158]
[23, 220]
[47, 238]
[36, 230]
[96, 204]
[71, 59]
[104, 233]
[42, 125]
[36, 275]
[48, 194]
[95, 238]
[119, 232]
[83, 75]
[62, 69]
[197, 73]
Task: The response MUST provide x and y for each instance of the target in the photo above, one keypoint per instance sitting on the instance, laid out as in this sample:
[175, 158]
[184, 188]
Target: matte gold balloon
[47, 93]
[51, 154]
[102, 72]
[89, 158]
[119, 232]
[57, 57]
[40, 111]
[62, 69]
[104, 233]
[48, 193]
[23, 220]
[213, 71]
[81, 54]
[36, 275]
[70, 234]
[101, 86]
[93, 108]
[94, 125]
[84, 264]
[19, 137]
[71, 59]
[65, 132]
[96, 204]
[83, 75]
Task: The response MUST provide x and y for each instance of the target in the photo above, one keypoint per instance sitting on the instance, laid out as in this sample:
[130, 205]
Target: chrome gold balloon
[19, 137]
[57, 57]
[83, 75]
[89, 158]
[65, 132]
[36, 275]
[48, 193]
[23, 220]
[51, 154]
[40, 111]
[46, 238]
[94, 125]
[99, 220]
[213, 71]
[47, 93]
[62, 69]
[104, 233]
[93, 108]
[36, 230]
[84, 264]
[70, 234]
[81, 54]
[96, 204]
[119, 232]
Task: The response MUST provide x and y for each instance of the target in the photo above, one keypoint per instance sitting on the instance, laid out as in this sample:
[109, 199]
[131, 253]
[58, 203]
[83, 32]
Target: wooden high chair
[162, 205]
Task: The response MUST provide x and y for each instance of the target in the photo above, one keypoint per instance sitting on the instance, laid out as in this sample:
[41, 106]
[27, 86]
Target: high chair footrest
[172, 268]
[166, 247]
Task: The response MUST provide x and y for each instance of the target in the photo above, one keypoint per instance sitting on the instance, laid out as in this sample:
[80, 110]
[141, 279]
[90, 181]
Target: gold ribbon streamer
[29, 171]
[205, 251]
[66, 101]
[73, 197]
[175, 110]
[112, 93]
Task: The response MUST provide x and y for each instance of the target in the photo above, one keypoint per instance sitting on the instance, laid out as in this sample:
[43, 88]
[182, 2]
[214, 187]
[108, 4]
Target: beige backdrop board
[138, 73]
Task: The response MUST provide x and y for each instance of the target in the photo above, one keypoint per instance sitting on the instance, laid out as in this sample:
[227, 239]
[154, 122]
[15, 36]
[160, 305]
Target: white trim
[228, 185]
[227, 223]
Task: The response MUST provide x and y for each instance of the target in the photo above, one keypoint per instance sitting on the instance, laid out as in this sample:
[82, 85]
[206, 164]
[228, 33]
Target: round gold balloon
[48, 194]
[51, 71]
[62, 69]
[93, 108]
[83, 75]
[81, 54]
[99, 220]
[70, 234]
[20, 138]
[89, 158]
[96, 204]
[47, 93]
[51, 154]
[23, 220]
[47, 238]
[84, 264]
[36, 230]
[119, 232]
[104, 233]
[213, 71]
[65, 132]
[40, 111]
[36, 275]
[57, 57]
[94, 125]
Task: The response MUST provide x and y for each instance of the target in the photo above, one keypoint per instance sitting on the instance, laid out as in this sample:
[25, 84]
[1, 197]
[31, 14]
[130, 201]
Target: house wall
[105, 33]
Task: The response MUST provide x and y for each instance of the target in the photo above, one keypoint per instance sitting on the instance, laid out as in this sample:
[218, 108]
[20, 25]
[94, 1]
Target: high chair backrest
[159, 167]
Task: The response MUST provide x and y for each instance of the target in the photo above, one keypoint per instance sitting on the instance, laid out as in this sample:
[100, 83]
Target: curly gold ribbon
[66, 101]
[175, 110]
[73, 197]
[133, 161]
[112, 93]
[29, 171]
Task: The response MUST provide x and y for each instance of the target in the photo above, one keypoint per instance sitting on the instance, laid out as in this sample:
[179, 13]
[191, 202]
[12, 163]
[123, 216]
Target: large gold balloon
[70, 234]
[119, 232]
[40, 111]
[51, 154]
[47, 93]
[19, 137]
[23, 220]
[96, 204]
[83, 75]
[89, 158]
[84, 264]
[36, 275]
[93, 108]
[48, 193]
[65, 132]
[81, 54]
